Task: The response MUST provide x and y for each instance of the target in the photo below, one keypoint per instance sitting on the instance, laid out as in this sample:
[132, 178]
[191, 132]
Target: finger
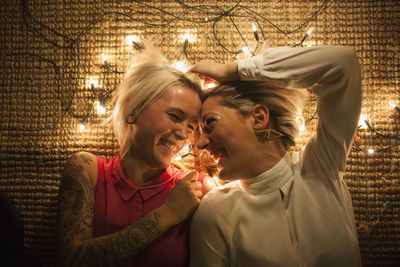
[198, 194]
[190, 176]
[197, 185]
[195, 68]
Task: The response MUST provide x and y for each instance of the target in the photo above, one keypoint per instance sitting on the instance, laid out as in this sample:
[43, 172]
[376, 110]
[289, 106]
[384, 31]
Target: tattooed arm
[76, 213]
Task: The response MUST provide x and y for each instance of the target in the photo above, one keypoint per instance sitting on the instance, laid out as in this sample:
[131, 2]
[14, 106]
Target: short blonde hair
[145, 81]
[284, 104]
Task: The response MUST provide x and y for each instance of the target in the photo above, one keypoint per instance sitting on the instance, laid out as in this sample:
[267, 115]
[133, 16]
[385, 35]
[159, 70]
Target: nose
[203, 142]
[182, 132]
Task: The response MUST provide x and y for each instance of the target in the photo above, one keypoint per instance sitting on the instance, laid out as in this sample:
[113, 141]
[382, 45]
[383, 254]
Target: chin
[162, 163]
[226, 175]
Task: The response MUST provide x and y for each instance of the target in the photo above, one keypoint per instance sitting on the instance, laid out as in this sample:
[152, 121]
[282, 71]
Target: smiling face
[164, 127]
[229, 138]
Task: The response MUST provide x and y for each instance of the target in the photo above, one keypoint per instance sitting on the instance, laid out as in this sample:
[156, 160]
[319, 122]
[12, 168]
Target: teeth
[217, 156]
[170, 146]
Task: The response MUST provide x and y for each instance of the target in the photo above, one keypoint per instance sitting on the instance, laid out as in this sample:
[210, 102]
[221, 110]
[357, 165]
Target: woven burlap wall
[51, 49]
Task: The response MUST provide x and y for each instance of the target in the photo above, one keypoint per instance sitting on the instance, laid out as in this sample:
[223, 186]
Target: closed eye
[173, 116]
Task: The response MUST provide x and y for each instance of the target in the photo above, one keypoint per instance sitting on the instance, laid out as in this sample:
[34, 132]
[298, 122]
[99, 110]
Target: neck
[137, 171]
[270, 153]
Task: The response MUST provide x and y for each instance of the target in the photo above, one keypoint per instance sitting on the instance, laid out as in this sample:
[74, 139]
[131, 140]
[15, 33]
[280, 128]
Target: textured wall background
[50, 49]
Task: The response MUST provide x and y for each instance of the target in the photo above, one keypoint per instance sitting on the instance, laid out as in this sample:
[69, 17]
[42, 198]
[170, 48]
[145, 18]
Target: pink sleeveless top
[119, 203]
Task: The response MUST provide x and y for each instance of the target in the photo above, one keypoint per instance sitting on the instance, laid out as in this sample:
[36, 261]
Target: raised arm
[332, 72]
[76, 213]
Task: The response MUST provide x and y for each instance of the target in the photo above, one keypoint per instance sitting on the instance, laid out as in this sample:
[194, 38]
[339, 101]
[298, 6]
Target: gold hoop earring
[132, 120]
[269, 134]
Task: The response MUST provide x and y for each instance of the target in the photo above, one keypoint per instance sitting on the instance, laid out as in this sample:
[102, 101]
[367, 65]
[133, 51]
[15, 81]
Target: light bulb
[101, 109]
[92, 83]
[180, 65]
[393, 105]
[255, 33]
[131, 39]
[361, 122]
[301, 122]
[188, 37]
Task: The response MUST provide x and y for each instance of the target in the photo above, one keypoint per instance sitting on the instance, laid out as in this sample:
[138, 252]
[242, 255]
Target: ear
[260, 116]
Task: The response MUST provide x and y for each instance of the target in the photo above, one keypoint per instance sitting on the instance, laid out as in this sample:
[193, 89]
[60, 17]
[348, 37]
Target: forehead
[212, 104]
[181, 97]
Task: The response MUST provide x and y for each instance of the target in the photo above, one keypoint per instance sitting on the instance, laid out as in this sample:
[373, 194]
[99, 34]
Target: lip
[218, 155]
[171, 146]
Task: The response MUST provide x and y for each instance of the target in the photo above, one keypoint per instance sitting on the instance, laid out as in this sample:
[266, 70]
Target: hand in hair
[217, 71]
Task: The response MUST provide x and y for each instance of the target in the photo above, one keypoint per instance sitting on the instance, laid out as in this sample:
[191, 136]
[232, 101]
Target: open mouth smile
[218, 155]
[171, 146]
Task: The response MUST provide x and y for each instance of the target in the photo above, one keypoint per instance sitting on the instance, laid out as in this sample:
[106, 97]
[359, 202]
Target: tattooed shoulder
[86, 158]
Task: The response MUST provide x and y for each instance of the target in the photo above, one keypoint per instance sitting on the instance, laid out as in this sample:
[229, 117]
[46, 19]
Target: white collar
[271, 179]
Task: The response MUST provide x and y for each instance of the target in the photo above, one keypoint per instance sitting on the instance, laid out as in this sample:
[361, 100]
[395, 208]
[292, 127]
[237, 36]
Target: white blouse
[299, 212]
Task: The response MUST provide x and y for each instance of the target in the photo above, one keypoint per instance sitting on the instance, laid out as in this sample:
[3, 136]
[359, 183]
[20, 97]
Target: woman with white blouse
[286, 208]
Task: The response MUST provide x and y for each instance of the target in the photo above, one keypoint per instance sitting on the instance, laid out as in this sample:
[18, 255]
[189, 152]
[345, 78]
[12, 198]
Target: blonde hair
[145, 81]
[284, 104]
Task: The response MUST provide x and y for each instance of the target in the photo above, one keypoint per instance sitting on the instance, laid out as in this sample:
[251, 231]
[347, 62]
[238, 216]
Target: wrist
[167, 218]
[232, 73]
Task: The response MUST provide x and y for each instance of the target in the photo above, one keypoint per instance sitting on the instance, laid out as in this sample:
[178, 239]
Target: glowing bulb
[186, 149]
[393, 105]
[216, 180]
[255, 33]
[131, 39]
[178, 158]
[361, 122]
[184, 152]
[209, 85]
[180, 65]
[82, 127]
[245, 50]
[371, 151]
[302, 125]
[101, 109]
[308, 33]
[189, 37]
[105, 60]
[92, 83]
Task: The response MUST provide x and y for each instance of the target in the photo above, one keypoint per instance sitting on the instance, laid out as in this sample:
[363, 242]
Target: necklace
[156, 185]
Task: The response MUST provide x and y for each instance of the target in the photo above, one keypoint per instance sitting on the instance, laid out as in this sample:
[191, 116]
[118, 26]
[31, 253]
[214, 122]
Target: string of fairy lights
[208, 15]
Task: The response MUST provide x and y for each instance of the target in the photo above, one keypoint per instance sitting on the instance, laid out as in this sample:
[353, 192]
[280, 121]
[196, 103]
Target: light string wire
[213, 14]
[50, 36]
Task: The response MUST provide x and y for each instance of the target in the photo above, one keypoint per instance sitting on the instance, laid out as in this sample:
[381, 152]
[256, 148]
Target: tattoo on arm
[76, 199]
[86, 159]
[76, 217]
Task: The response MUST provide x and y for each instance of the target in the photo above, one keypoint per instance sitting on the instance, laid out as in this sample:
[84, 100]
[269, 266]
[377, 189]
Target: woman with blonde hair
[286, 208]
[135, 209]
